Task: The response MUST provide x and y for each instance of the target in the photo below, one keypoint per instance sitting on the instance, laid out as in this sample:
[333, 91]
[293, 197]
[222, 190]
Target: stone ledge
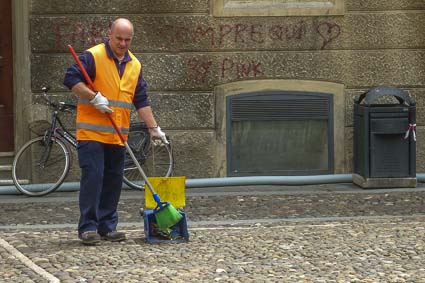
[6, 182]
[5, 167]
[118, 7]
[373, 183]
[267, 8]
[6, 154]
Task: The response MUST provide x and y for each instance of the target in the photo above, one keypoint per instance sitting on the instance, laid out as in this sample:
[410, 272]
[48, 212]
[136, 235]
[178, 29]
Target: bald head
[122, 23]
[120, 37]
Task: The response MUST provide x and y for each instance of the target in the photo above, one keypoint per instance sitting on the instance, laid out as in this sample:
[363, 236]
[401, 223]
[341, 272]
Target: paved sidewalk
[329, 233]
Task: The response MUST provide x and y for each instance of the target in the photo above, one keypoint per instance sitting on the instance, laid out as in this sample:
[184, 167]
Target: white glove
[101, 103]
[157, 135]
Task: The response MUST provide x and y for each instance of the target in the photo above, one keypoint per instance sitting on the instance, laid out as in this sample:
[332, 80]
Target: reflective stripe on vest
[106, 129]
[112, 103]
[91, 123]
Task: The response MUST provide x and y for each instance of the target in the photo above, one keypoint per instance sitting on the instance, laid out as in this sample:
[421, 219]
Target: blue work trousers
[102, 167]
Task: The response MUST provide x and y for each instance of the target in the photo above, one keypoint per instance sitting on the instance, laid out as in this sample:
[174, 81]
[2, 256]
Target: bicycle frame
[62, 131]
[54, 132]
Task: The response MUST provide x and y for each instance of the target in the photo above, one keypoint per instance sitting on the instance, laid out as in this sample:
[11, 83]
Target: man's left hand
[157, 135]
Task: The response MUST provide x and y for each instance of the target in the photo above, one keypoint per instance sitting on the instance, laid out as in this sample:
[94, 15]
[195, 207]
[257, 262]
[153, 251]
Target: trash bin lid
[373, 94]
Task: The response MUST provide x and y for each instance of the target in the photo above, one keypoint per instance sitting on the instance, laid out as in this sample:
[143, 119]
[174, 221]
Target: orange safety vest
[91, 123]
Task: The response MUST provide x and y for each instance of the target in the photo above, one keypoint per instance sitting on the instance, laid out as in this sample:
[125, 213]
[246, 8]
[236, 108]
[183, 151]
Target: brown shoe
[89, 238]
[114, 236]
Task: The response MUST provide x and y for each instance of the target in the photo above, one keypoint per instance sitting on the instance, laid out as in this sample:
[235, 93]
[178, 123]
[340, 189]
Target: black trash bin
[384, 140]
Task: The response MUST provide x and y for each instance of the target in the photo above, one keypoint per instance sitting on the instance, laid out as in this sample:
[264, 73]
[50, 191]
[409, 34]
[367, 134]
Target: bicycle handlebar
[61, 106]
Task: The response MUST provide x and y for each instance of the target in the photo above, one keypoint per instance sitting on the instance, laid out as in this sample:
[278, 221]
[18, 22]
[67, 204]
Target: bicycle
[44, 162]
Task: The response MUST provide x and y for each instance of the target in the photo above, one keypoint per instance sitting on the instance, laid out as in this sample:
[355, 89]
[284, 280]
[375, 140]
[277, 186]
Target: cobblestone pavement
[258, 234]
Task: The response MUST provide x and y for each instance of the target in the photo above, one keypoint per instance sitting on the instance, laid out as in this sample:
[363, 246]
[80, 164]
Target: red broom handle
[83, 70]
[90, 82]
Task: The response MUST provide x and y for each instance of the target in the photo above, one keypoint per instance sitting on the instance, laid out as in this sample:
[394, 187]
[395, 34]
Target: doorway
[6, 78]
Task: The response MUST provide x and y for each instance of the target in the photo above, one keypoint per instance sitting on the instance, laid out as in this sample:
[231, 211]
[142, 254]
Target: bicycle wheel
[40, 167]
[156, 161]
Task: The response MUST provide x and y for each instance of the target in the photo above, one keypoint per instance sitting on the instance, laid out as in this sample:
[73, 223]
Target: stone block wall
[186, 52]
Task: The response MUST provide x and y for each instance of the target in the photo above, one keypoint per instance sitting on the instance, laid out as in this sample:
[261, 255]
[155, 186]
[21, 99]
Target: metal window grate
[299, 127]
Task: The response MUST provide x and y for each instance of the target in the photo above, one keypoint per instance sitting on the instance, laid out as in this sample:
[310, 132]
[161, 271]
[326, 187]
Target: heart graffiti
[328, 31]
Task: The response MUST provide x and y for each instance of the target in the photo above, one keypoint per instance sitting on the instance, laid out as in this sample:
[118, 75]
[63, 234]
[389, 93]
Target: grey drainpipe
[234, 181]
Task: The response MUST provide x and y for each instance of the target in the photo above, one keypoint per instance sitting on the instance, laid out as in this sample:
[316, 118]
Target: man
[118, 80]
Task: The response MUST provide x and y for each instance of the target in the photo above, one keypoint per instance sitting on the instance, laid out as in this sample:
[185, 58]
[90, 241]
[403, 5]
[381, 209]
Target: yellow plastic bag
[171, 189]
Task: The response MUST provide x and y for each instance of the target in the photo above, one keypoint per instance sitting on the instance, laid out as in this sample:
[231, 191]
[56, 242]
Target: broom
[166, 215]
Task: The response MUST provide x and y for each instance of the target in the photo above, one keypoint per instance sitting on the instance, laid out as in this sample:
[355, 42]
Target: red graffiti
[224, 30]
[256, 35]
[57, 31]
[219, 36]
[78, 33]
[236, 33]
[88, 34]
[183, 35]
[200, 33]
[241, 33]
[199, 69]
[240, 69]
[328, 31]
[283, 32]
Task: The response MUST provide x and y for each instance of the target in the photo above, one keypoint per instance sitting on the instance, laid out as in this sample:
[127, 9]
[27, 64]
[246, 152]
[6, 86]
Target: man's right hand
[101, 103]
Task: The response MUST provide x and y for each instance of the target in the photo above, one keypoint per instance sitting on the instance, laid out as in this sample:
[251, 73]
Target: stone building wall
[186, 52]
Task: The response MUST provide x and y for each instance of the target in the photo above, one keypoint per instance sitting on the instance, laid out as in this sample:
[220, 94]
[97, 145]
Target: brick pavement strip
[390, 249]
